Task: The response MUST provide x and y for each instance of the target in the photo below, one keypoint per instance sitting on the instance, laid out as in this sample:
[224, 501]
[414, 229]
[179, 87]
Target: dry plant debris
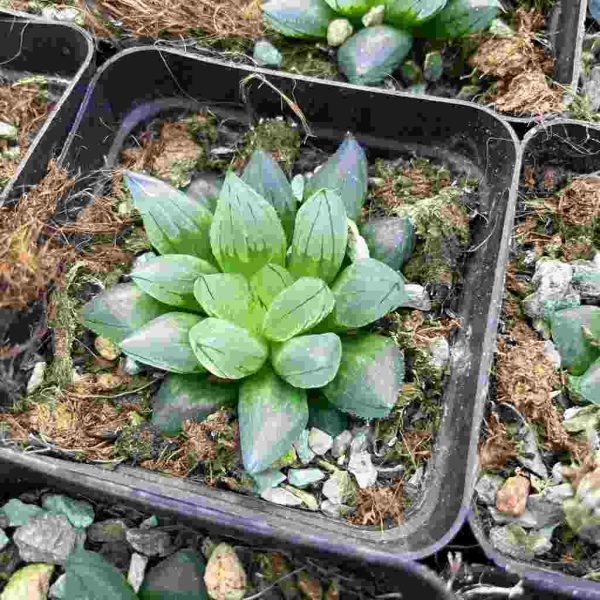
[579, 202]
[527, 378]
[21, 105]
[520, 66]
[216, 18]
[497, 448]
[423, 334]
[374, 506]
[34, 253]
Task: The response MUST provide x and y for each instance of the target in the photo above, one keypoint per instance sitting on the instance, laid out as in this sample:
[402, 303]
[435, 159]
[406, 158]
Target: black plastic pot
[576, 146]
[412, 580]
[38, 47]
[136, 85]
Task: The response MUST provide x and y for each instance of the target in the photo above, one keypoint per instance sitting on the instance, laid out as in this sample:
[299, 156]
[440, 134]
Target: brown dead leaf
[579, 202]
[375, 505]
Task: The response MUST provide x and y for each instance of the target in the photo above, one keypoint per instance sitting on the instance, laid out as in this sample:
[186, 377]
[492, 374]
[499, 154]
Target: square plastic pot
[138, 84]
[59, 50]
[575, 145]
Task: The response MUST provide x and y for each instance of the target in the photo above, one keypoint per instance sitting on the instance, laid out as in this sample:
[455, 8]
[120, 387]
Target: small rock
[319, 441]
[4, 540]
[362, 468]
[57, 590]
[225, 578]
[417, 478]
[390, 239]
[181, 575]
[557, 473]
[552, 353]
[586, 281]
[150, 542]
[29, 583]
[511, 498]
[137, 570]
[527, 520]
[334, 510]
[117, 554]
[37, 377]
[487, 487]
[308, 500]
[8, 131]
[440, 352]
[340, 488]
[302, 478]
[417, 297]
[205, 187]
[268, 479]
[266, 55]
[338, 31]
[110, 530]
[516, 542]
[529, 454]
[374, 16]
[20, 513]
[546, 507]
[360, 439]
[591, 89]
[106, 349]
[46, 539]
[79, 513]
[552, 280]
[280, 496]
[149, 523]
[305, 454]
[341, 443]
[131, 366]
[9, 561]
[66, 15]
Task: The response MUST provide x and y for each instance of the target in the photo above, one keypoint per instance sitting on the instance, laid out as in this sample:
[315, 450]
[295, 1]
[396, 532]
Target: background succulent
[260, 302]
[374, 36]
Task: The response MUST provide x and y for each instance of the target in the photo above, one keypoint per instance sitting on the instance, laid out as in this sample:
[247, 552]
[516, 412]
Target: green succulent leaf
[298, 18]
[308, 361]
[325, 416]
[298, 308]
[365, 291]
[189, 397]
[264, 175]
[408, 13]
[246, 233]
[345, 173]
[227, 350]
[272, 414]
[370, 376]
[353, 9]
[170, 278]
[120, 311]
[164, 343]
[373, 53]
[268, 282]
[460, 18]
[320, 237]
[90, 575]
[174, 222]
[390, 239]
[228, 296]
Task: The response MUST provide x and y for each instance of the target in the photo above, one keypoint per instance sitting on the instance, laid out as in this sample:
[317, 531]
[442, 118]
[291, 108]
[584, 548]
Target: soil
[558, 217]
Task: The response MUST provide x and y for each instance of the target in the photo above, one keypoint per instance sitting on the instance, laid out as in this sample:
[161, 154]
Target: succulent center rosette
[261, 303]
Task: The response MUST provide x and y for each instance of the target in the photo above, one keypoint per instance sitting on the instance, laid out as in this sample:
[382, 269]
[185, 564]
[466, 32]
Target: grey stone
[527, 520]
[305, 454]
[20, 513]
[302, 478]
[440, 352]
[557, 473]
[37, 377]
[341, 443]
[360, 439]
[66, 15]
[46, 539]
[79, 512]
[150, 542]
[334, 510]
[374, 16]
[266, 55]
[571, 412]
[338, 31]
[319, 441]
[132, 366]
[8, 131]
[552, 281]
[339, 488]
[547, 506]
[487, 487]
[529, 455]
[181, 573]
[417, 477]
[591, 89]
[57, 590]
[552, 353]
[117, 554]
[516, 542]
[307, 499]
[137, 570]
[280, 496]
[149, 523]
[361, 466]
[4, 539]
[9, 560]
[206, 185]
[417, 297]
[110, 530]
[586, 281]
[268, 479]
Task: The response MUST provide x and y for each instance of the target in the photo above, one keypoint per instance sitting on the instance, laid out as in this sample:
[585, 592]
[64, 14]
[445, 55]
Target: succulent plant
[583, 511]
[260, 302]
[383, 29]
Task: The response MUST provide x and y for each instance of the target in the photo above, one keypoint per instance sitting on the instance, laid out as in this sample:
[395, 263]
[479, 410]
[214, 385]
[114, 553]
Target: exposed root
[217, 18]
[374, 506]
[579, 202]
[530, 93]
